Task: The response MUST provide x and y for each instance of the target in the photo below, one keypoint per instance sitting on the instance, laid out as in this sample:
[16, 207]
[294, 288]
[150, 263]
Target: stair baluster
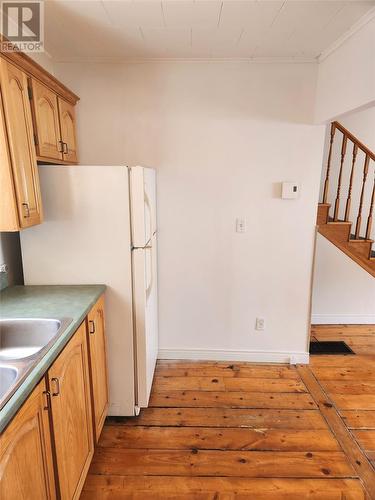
[337, 201]
[359, 218]
[326, 182]
[349, 199]
[371, 212]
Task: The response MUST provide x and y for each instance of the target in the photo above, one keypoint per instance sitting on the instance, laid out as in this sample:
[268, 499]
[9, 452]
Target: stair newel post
[370, 215]
[349, 199]
[337, 201]
[359, 218]
[326, 182]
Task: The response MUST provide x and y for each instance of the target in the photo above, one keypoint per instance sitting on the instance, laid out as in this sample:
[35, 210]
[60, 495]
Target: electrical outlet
[259, 324]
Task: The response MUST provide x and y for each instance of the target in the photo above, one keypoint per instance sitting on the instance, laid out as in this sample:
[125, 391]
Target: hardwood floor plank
[218, 488]
[225, 417]
[356, 373]
[360, 386]
[361, 419]
[167, 383]
[343, 329]
[354, 401]
[121, 461]
[181, 369]
[226, 399]
[182, 438]
[365, 439]
[358, 361]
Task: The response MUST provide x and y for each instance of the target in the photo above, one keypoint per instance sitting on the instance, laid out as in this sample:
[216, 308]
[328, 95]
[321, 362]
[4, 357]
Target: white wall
[362, 124]
[222, 136]
[343, 291]
[346, 78]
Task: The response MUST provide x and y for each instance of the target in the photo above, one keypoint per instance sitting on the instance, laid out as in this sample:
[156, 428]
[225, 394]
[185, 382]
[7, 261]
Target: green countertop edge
[89, 292]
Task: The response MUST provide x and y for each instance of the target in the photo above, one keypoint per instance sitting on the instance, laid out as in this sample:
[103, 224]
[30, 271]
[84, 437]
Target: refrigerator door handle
[150, 283]
[149, 210]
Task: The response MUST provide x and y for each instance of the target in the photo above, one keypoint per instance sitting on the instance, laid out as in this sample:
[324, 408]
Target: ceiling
[118, 30]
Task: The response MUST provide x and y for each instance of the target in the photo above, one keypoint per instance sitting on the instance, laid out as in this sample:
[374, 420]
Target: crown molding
[369, 16]
[249, 60]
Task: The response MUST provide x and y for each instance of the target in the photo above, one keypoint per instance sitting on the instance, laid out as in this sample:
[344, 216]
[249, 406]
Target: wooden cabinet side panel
[21, 143]
[98, 365]
[8, 203]
[71, 413]
[26, 463]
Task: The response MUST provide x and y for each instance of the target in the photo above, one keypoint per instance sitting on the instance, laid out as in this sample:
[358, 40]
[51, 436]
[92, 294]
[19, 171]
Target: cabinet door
[98, 365]
[46, 122]
[68, 130]
[26, 464]
[71, 414]
[21, 143]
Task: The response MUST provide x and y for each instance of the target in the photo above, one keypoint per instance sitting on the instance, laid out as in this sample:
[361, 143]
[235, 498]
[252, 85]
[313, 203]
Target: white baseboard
[343, 319]
[222, 355]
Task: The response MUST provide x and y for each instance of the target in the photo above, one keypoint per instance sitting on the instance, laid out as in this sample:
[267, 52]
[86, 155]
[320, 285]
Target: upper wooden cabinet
[46, 122]
[17, 135]
[54, 124]
[26, 463]
[68, 130]
[37, 123]
[98, 365]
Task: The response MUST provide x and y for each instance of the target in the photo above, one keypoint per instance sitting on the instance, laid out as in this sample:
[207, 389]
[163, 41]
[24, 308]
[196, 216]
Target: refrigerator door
[143, 205]
[86, 239]
[144, 259]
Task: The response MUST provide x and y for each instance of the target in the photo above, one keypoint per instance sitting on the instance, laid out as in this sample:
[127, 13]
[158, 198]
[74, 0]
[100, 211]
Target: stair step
[338, 231]
[322, 214]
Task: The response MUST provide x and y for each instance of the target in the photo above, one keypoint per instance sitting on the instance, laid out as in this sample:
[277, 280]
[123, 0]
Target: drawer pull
[91, 326]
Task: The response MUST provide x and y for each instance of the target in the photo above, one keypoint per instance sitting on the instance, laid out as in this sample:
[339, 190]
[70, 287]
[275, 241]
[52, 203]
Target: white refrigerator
[100, 227]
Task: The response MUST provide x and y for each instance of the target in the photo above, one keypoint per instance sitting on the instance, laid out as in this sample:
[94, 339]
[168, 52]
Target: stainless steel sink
[23, 342]
[8, 377]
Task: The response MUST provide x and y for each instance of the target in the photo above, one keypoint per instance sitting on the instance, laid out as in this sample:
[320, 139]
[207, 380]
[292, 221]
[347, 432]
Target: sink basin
[21, 338]
[8, 376]
[23, 343]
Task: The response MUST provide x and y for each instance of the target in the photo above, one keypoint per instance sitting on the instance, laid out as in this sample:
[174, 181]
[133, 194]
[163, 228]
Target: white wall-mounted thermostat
[290, 190]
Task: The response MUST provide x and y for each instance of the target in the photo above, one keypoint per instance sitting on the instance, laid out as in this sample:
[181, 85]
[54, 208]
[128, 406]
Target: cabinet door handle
[27, 210]
[57, 384]
[61, 147]
[91, 326]
[48, 400]
[66, 150]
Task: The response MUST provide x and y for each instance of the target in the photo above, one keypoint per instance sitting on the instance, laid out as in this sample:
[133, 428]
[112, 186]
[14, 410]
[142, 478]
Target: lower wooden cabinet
[26, 462]
[98, 365]
[69, 385]
[46, 450]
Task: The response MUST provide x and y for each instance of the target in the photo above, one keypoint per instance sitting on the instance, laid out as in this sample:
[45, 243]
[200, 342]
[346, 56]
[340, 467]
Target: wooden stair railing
[358, 243]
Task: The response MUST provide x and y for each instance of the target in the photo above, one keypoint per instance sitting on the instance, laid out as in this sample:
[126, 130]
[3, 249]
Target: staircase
[345, 215]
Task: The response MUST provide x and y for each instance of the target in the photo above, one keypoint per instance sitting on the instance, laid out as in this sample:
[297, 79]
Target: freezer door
[145, 318]
[143, 205]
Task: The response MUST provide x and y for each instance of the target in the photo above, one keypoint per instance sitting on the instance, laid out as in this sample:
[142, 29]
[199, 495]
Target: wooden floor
[245, 431]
